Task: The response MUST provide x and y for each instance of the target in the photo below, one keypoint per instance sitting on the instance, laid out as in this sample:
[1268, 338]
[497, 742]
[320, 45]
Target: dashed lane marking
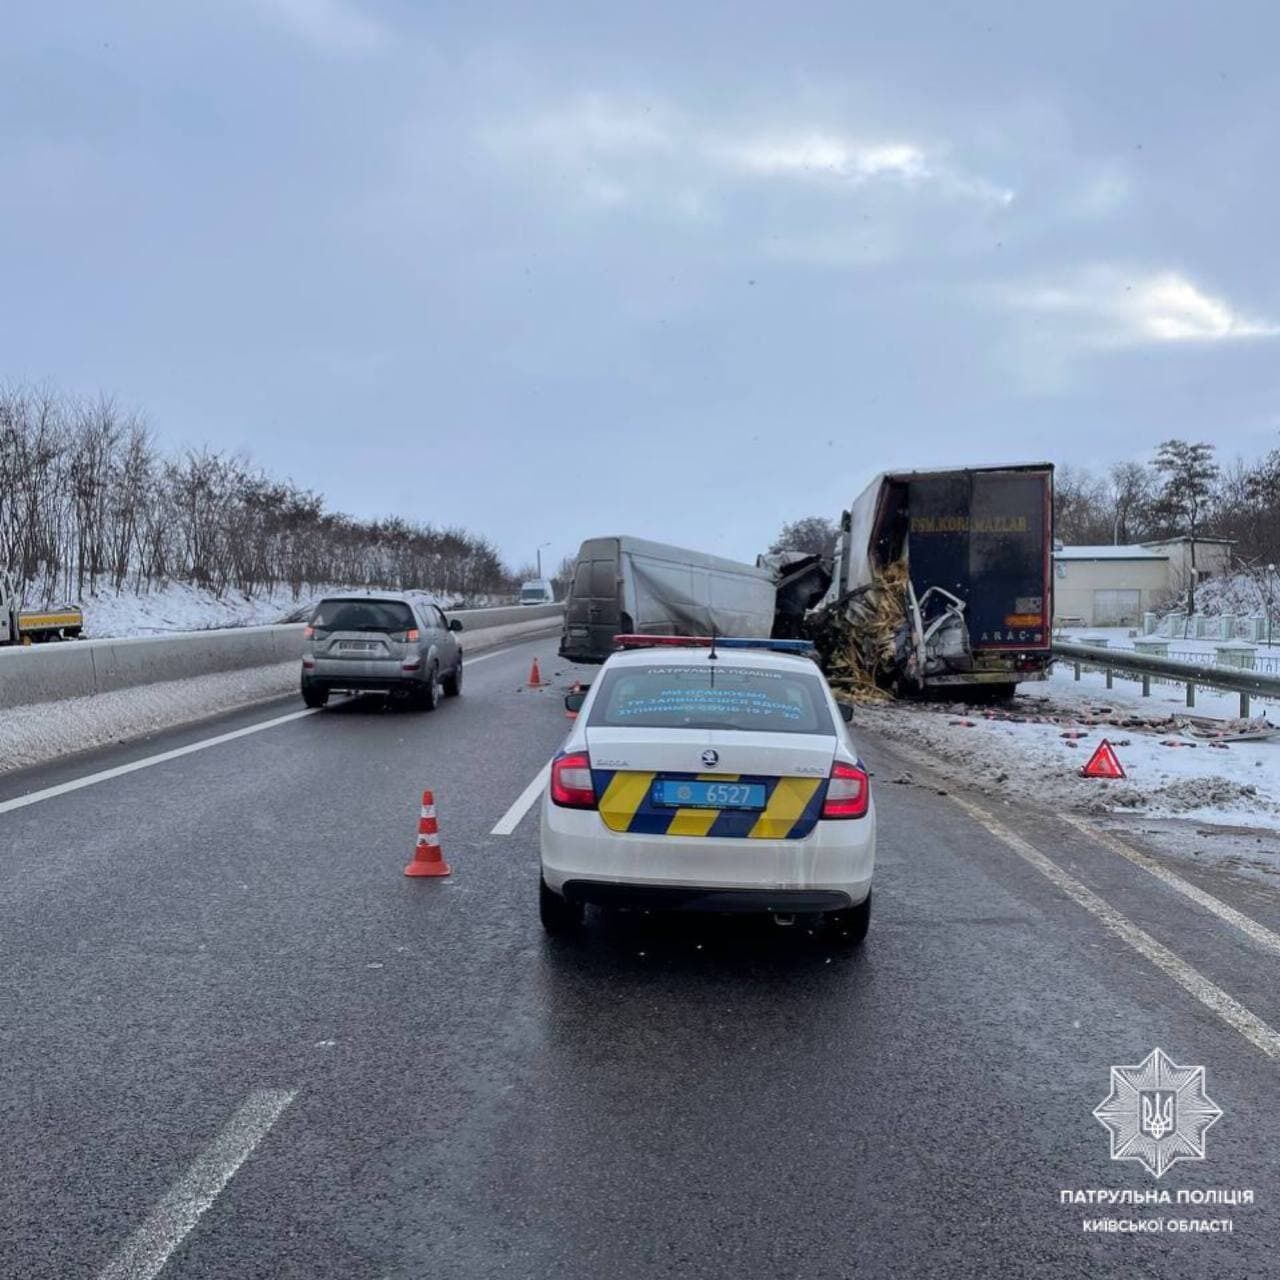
[1217, 1001]
[524, 802]
[144, 1254]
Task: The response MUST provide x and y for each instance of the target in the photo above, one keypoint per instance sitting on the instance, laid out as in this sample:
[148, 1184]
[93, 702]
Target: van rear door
[593, 613]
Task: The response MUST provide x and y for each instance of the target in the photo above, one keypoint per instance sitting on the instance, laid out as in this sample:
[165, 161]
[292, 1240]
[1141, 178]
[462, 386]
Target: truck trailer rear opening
[969, 551]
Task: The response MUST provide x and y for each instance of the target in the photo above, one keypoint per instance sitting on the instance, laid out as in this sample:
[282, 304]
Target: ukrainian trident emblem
[1157, 1112]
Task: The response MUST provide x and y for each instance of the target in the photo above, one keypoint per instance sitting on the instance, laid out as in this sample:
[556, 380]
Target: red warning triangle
[1104, 763]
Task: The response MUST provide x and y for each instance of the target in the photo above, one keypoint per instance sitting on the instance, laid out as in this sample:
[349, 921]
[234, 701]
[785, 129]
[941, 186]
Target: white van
[538, 591]
[629, 585]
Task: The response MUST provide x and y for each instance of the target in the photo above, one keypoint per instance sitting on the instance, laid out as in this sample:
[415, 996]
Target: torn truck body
[943, 578]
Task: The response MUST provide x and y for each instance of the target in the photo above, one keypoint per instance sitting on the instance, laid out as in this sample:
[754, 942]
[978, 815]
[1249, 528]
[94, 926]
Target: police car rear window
[712, 695]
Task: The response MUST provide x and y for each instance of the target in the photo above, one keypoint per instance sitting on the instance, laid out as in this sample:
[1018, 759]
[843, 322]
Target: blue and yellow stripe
[792, 807]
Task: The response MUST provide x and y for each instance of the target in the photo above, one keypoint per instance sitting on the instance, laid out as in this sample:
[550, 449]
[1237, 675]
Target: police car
[713, 775]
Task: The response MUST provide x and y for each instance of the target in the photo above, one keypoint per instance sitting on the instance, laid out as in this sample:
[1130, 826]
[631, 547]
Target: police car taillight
[848, 792]
[571, 786]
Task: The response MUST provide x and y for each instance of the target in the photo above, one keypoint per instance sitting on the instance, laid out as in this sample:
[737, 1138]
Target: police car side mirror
[846, 711]
[455, 624]
[573, 701]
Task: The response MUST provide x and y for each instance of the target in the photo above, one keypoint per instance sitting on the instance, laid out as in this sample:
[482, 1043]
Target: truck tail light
[848, 792]
[571, 786]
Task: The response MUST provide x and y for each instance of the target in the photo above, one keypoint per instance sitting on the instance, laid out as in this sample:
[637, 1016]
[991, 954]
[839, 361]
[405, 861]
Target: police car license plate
[676, 794]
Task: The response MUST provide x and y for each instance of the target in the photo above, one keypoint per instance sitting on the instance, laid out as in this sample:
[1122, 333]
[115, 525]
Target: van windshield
[712, 696]
[388, 616]
[533, 595]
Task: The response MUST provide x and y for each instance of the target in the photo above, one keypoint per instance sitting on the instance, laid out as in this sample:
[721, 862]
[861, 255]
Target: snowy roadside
[1026, 756]
[181, 607]
[49, 730]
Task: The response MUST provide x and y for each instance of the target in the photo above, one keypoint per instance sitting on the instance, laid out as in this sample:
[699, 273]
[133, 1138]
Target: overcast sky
[679, 270]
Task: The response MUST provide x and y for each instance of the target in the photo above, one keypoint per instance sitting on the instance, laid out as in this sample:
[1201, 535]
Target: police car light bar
[801, 647]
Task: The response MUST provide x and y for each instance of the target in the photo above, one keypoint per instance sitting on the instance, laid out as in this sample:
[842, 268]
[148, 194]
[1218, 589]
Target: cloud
[649, 148]
[332, 26]
[817, 155]
[589, 128]
[1113, 308]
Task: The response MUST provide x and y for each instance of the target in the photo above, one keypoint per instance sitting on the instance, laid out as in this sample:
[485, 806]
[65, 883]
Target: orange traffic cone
[535, 676]
[427, 858]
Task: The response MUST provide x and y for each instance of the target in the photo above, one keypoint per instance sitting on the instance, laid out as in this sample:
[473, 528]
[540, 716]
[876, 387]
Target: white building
[1109, 586]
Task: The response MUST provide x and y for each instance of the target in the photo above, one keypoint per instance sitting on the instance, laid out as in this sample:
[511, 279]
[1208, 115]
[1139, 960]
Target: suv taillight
[848, 792]
[571, 786]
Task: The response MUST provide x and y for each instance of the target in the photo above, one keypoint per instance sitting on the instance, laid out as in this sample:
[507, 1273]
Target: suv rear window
[712, 696]
[388, 616]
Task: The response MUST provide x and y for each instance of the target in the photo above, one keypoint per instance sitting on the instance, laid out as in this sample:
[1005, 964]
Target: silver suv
[389, 642]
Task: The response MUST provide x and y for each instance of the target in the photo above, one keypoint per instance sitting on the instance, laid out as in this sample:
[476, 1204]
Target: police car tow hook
[785, 919]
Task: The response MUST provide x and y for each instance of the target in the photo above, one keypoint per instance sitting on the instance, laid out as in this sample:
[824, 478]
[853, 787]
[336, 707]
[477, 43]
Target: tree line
[89, 500]
[1184, 490]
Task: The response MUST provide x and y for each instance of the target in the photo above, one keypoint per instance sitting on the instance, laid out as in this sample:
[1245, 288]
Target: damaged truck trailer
[943, 578]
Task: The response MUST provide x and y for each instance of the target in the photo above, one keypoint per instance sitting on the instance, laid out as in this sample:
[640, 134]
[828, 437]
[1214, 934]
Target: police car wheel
[849, 927]
[558, 914]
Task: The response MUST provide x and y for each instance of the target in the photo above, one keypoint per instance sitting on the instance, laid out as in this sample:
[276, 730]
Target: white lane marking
[144, 1254]
[1230, 1010]
[91, 779]
[105, 775]
[1259, 933]
[524, 802]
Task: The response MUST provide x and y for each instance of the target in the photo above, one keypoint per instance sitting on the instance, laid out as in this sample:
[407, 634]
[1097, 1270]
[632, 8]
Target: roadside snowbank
[1027, 756]
[48, 730]
[180, 607]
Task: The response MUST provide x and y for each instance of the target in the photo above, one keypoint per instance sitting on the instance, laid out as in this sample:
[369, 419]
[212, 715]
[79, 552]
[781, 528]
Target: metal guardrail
[1247, 683]
[1268, 663]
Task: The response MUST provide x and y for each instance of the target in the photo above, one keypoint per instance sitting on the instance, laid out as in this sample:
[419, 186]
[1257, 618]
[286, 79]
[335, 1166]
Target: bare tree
[1132, 499]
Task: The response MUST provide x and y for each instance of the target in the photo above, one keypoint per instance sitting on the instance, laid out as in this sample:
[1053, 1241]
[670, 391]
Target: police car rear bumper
[675, 898]
[835, 861]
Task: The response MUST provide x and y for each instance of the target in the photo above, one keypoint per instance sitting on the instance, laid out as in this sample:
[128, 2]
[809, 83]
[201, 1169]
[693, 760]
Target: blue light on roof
[778, 646]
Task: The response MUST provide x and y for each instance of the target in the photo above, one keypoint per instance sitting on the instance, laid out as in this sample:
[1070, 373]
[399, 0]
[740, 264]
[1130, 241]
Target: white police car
[709, 777]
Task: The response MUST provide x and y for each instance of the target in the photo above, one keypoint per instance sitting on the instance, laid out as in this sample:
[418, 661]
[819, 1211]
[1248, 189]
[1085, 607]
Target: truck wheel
[849, 927]
[315, 696]
[452, 683]
[557, 913]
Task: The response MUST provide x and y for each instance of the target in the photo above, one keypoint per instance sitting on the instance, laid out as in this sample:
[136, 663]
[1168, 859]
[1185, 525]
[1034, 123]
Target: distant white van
[537, 592]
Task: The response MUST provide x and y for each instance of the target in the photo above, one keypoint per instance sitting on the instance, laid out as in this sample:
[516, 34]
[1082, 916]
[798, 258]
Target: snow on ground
[180, 607]
[1027, 756]
[50, 730]
[1123, 638]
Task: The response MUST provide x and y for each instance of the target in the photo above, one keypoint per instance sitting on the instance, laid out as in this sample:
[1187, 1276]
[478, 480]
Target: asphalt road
[237, 1042]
